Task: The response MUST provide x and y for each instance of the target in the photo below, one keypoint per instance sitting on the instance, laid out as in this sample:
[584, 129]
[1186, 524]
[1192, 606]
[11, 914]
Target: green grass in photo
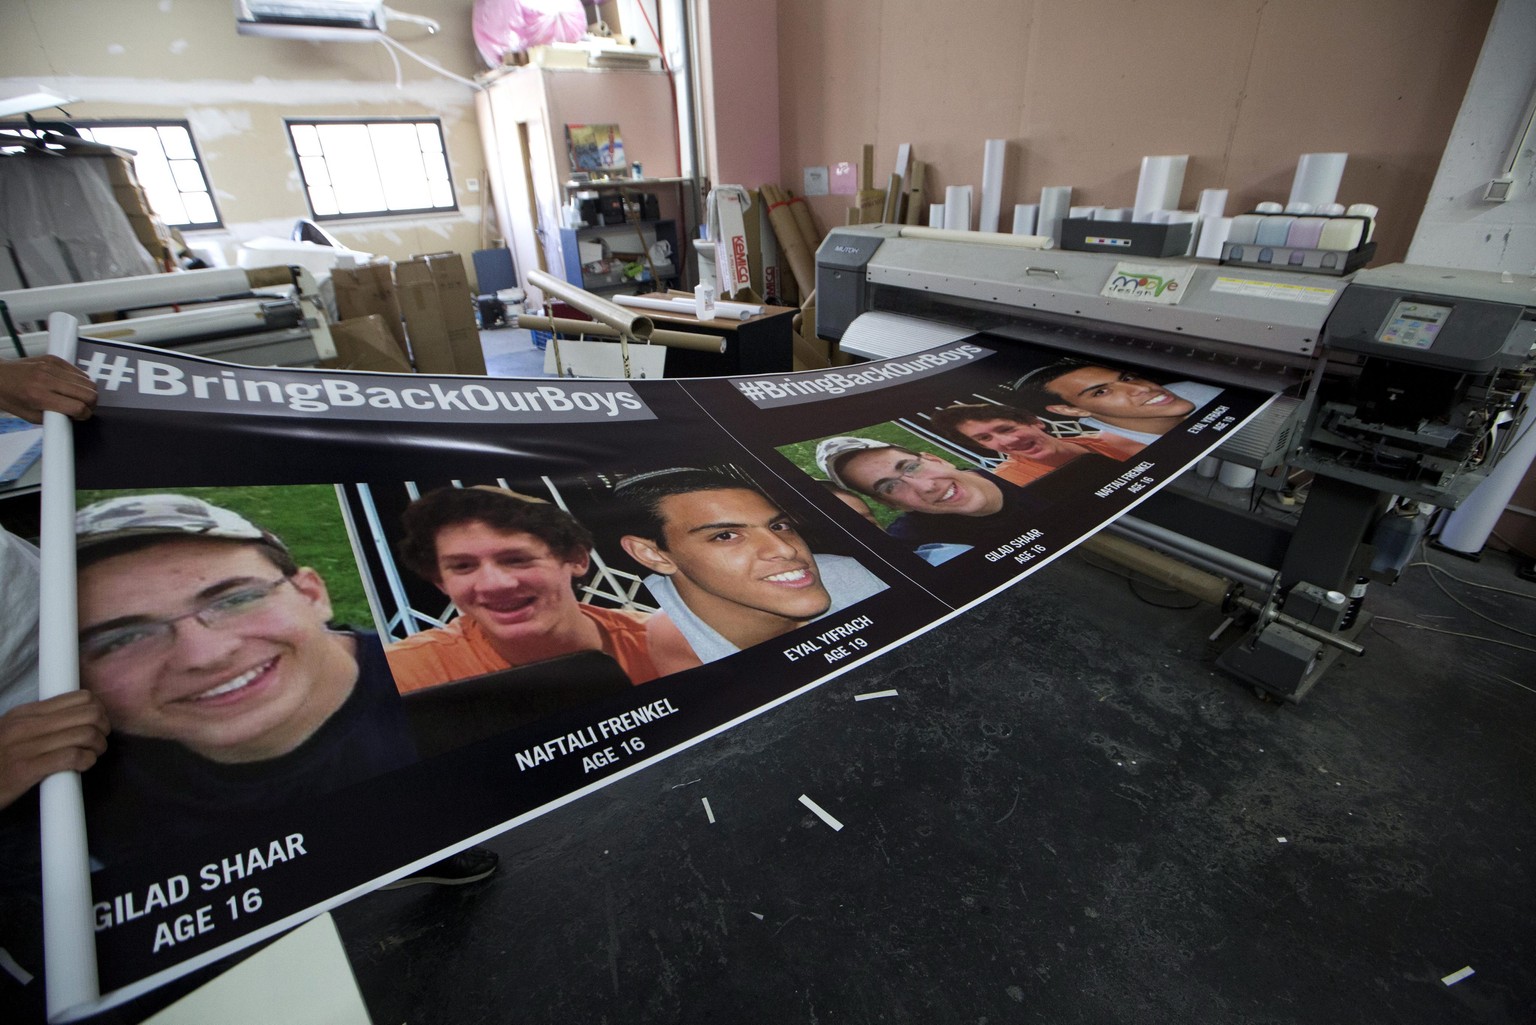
[305, 516]
[803, 455]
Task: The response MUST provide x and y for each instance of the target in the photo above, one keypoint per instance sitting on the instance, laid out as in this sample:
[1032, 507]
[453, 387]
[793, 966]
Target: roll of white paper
[992, 166]
[721, 310]
[935, 215]
[1024, 217]
[1298, 208]
[957, 208]
[1154, 217]
[1467, 529]
[1269, 207]
[1083, 211]
[1112, 213]
[1207, 467]
[1055, 204]
[888, 335]
[1213, 203]
[1317, 178]
[1213, 232]
[1235, 476]
[1162, 179]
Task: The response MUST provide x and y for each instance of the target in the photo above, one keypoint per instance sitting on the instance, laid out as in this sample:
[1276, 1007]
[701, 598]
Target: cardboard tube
[787, 231]
[804, 221]
[635, 325]
[268, 277]
[917, 179]
[660, 336]
[993, 238]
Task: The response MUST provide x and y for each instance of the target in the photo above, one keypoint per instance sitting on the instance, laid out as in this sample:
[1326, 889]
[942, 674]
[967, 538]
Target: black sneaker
[468, 866]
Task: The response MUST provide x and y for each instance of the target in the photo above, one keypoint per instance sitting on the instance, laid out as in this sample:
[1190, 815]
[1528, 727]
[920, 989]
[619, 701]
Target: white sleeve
[19, 565]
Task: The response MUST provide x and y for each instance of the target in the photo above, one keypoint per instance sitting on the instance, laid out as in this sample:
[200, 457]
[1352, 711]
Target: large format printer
[1401, 384]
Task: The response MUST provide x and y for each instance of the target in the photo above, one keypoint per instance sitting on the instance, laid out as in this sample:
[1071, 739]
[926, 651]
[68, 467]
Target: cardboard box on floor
[364, 343]
[439, 314]
[361, 291]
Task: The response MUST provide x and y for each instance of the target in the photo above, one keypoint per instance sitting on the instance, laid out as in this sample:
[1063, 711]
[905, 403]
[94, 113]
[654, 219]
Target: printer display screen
[1413, 324]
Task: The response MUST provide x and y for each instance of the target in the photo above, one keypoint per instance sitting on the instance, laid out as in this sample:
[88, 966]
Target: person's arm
[32, 385]
[43, 737]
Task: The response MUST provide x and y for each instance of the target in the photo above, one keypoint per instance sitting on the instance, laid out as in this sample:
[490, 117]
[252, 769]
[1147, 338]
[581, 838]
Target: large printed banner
[344, 624]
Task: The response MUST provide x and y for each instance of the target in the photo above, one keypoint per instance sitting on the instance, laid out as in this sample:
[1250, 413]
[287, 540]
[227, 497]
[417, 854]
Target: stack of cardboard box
[418, 314]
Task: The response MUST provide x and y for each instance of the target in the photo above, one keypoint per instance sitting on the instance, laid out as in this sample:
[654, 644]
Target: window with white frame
[165, 161]
[372, 168]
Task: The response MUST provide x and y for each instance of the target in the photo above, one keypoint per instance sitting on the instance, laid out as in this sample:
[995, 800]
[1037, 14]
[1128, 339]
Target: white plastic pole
[69, 939]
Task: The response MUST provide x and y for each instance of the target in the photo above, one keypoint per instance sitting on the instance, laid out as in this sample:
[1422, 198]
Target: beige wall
[183, 59]
[1083, 89]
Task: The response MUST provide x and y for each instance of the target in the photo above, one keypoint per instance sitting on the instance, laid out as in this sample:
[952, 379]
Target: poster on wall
[345, 623]
[595, 149]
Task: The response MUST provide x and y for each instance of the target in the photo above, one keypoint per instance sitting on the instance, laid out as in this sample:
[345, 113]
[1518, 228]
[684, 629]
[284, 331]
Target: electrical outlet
[471, 184]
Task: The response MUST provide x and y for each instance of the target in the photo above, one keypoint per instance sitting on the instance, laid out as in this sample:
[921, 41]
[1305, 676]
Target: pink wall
[1083, 89]
[744, 72]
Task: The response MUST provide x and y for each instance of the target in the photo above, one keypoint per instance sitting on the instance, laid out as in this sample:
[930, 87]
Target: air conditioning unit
[326, 20]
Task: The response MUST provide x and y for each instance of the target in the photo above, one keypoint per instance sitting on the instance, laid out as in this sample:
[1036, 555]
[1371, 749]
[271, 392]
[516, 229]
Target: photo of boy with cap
[509, 563]
[227, 688]
[727, 566]
[945, 510]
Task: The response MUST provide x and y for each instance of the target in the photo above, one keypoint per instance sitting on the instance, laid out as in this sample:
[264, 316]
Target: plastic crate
[541, 339]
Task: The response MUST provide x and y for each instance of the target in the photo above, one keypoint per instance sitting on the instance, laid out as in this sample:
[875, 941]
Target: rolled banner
[991, 238]
[935, 215]
[635, 325]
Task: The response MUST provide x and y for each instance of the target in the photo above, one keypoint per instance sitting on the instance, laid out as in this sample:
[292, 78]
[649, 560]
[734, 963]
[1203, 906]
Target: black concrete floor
[1066, 816]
